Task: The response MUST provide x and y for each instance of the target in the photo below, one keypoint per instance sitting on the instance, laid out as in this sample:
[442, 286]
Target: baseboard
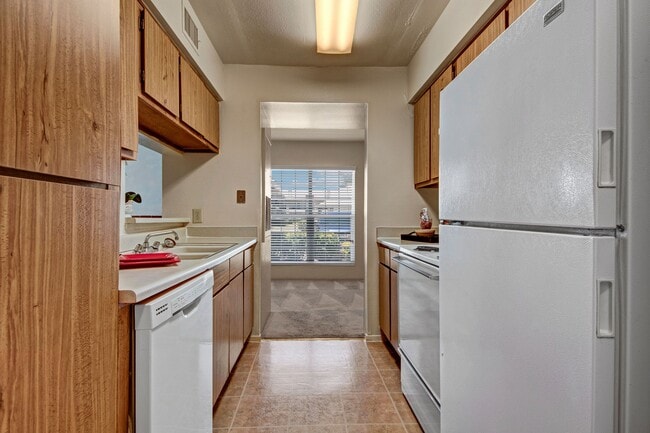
[373, 338]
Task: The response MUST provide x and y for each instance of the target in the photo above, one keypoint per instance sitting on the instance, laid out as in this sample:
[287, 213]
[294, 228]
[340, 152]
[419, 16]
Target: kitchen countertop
[408, 248]
[136, 285]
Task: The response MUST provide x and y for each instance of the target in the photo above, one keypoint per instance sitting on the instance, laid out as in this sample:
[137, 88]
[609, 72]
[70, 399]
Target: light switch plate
[197, 216]
[241, 196]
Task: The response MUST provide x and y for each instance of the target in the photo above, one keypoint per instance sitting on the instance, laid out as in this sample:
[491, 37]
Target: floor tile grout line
[232, 421]
[389, 393]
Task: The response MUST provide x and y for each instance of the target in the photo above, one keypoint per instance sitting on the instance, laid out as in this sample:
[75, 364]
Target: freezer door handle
[606, 300]
[606, 159]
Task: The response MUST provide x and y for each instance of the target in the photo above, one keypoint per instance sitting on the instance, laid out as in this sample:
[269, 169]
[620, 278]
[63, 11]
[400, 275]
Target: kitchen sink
[198, 251]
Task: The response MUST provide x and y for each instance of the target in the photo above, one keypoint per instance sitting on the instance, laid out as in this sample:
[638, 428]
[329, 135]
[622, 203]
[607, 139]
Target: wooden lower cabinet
[384, 300]
[248, 301]
[58, 307]
[232, 317]
[221, 342]
[236, 304]
[388, 288]
[394, 332]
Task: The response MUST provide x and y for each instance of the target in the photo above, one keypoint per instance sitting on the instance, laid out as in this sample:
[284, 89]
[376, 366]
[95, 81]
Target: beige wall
[210, 183]
[318, 154]
[458, 24]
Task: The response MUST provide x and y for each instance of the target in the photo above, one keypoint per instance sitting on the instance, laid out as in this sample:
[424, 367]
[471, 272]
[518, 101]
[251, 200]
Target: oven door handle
[405, 263]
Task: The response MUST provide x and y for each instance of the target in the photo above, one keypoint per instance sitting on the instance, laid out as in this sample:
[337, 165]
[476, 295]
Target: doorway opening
[314, 220]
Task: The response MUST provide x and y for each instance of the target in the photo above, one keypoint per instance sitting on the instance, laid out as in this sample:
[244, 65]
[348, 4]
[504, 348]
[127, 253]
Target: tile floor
[315, 386]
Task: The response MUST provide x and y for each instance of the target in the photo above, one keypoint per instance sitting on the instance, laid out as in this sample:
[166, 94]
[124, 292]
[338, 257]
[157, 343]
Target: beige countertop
[136, 285]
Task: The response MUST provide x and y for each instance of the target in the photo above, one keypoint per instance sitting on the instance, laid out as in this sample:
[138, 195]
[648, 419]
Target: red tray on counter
[147, 260]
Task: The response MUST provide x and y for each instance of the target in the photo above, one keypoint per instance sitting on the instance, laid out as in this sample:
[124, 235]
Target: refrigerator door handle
[606, 300]
[606, 158]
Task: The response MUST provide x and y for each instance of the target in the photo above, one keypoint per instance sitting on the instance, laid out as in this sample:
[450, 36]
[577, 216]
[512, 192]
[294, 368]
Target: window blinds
[312, 216]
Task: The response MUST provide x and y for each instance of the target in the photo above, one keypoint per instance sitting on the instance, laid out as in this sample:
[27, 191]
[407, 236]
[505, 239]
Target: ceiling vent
[191, 29]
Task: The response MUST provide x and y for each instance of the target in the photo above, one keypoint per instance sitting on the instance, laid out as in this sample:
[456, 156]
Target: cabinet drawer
[236, 265]
[392, 263]
[221, 276]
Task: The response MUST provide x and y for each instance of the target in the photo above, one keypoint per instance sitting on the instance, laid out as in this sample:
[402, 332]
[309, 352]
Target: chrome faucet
[168, 242]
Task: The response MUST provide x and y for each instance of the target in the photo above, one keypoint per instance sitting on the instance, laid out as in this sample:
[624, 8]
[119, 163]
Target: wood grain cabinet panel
[220, 342]
[160, 62]
[58, 306]
[236, 307]
[421, 137]
[193, 99]
[60, 69]
[248, 301]
[516, 8]
[130, 67]
[384, 300]
[236, 265]
[482, 41]
[394, 328]
[434, 129]
[212, 119]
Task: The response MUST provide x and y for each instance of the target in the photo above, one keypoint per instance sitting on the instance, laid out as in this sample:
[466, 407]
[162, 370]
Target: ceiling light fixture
[335, 22]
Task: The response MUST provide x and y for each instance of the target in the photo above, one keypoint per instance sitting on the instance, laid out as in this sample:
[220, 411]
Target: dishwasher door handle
[406, 263]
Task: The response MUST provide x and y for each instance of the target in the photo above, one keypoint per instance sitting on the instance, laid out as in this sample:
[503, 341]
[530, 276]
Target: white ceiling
[283, 32]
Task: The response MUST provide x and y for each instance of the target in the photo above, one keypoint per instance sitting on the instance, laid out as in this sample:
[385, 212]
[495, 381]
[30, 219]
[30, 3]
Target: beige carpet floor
[315, 308]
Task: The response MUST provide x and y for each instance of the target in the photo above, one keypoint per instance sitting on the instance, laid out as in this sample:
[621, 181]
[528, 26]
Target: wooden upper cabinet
[60, 71]
[199, 108]
[193, 98]
[421, 137]
[482, 41]
[129, 59]
[58, 306]
[160, 63]
[516, 8]
[211, 119]
[435, 90]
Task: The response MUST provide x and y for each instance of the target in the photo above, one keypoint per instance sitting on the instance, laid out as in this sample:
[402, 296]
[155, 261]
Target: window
[312, 216]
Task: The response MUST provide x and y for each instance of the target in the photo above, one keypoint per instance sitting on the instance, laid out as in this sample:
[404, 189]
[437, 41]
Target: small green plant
[132, 196]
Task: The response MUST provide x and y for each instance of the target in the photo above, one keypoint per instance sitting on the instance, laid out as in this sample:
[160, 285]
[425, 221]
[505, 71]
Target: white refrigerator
[530, 259]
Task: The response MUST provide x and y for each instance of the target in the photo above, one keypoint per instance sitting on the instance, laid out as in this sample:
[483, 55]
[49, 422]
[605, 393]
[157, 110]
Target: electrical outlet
[241, 196]
[197, 216]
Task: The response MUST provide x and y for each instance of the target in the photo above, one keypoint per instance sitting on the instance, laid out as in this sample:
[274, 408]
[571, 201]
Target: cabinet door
[60, 71]
[394, 332]
[160, 63]
[421, 136]
[436, 88]
[193, 99]
[248, 301]
[58, 307]
[129, 52]
[516, 8]
[384, 300]
[220, 342]
[236, 301]
[482, 41]
[211, 114]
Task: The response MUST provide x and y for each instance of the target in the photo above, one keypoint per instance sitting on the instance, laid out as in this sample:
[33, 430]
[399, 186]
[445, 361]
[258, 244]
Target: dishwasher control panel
[148, 315]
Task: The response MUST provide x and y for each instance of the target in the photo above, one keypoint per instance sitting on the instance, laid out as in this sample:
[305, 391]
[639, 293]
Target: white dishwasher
[173, 360]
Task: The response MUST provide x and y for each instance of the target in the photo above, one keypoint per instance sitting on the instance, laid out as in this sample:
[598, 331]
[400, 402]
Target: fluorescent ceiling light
[335, 21]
